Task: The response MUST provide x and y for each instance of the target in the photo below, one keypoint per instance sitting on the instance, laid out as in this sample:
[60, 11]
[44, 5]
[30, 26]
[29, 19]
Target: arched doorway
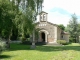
[43, 36]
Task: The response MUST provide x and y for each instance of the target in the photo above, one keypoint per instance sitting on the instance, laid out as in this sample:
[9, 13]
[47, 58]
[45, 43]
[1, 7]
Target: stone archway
[43, 33]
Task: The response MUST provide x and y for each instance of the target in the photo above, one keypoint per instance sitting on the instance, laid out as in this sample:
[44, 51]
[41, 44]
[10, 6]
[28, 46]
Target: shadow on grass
[19, 47]
[58, 48]
[4, 56]
[43, 48]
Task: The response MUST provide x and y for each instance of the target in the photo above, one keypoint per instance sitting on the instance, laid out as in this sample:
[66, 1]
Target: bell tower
[43, 16]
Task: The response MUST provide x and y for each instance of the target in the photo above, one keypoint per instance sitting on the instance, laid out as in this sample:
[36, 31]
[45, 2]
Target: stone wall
[58, 33]
[66, 37]
[50, 28]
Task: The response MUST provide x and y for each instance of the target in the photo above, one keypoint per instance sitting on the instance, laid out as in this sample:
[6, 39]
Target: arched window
[44, 17]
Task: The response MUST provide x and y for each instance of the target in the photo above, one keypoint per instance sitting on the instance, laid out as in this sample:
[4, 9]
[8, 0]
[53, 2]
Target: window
[61, 36]
[44, 16]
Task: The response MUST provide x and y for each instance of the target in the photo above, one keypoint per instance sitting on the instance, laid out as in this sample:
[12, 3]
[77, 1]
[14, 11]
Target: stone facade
[65, 36]
[48, 32]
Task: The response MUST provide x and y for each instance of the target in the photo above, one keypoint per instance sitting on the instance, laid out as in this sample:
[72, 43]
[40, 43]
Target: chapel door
[43, 36]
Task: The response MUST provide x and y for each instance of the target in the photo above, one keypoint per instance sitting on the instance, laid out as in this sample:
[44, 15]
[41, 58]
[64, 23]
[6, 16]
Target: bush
[71, 39]
[63, 42]
[2, 45]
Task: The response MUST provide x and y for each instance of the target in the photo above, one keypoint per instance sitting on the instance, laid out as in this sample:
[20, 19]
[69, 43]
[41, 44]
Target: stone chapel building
[49, 32]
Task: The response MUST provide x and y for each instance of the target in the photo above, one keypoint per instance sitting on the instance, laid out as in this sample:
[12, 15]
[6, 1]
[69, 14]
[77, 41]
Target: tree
[27, 11]
[7, 15]
[19, 14]
[72, 28]
[62, 26]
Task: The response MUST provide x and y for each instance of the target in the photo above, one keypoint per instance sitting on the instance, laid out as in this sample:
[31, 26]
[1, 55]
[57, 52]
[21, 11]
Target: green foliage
[6, 18]
[18, 19]
[62, 26]
[78, 30]
[71, 39]
[2, 45]
[37, 33]
[26, 15]
[73, 28]
[63, 42]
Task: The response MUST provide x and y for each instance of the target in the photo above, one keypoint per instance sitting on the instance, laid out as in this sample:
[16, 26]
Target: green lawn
[23, 52]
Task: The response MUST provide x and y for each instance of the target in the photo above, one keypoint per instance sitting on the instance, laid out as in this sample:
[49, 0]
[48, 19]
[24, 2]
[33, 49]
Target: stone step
[54, 44]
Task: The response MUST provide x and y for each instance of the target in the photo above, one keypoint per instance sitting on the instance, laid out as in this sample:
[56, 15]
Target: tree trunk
[8, 40]
[33, 46]
[7, 43]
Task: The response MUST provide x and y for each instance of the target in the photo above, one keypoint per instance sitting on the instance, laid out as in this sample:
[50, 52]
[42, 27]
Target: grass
[23, 52]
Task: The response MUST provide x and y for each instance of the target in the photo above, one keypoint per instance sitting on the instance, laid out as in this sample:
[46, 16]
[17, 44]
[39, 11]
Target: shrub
[71, 39]
[2, 45]
[63, 42]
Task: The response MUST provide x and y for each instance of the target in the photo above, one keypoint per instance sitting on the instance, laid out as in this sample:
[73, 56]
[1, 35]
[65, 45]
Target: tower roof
[43, 12]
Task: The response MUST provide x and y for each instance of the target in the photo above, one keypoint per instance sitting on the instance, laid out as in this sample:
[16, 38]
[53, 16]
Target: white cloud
[58, 18]
[69, 5]
[72, 6]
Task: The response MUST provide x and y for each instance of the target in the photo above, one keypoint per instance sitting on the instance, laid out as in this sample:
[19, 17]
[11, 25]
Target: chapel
[49, 32]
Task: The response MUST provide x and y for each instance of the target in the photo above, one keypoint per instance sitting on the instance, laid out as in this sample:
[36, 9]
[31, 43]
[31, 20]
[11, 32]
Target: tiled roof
[63, 32]
[43, 12]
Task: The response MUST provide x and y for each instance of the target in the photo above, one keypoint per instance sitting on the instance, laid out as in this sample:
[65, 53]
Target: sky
[60, 11]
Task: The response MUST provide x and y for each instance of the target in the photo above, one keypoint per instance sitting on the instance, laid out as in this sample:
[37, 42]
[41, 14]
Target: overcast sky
[59, 11]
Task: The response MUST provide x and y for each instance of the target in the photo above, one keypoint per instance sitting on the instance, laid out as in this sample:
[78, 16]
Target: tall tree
[73, 28]
[19, 13]
[26, 22]
[6, 19]
[27, 10]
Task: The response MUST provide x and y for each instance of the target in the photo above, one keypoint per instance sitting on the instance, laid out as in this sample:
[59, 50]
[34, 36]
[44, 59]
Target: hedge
[63, 42]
